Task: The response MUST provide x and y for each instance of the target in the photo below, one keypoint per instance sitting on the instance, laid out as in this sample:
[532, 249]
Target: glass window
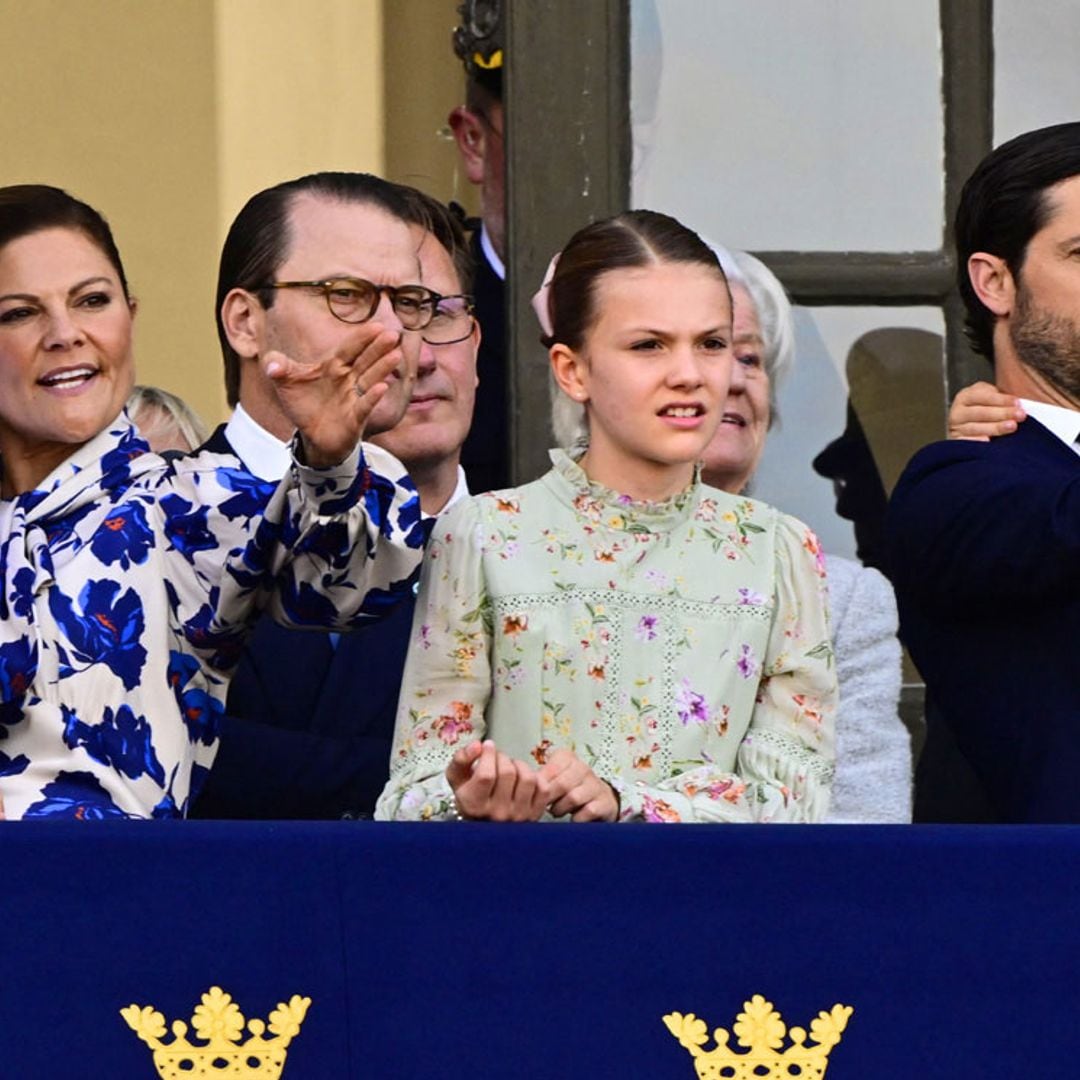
[776, 125]
[865, 393]
[1036, 77]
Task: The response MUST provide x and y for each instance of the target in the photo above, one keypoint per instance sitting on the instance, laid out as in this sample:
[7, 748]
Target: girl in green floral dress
[616, 640]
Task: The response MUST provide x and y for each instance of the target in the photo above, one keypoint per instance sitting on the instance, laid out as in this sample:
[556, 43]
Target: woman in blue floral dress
[617, 641]
[128, 582]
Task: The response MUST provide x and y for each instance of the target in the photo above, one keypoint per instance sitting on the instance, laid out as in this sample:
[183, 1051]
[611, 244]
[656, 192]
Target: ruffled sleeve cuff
[786, 780]
[333, 490]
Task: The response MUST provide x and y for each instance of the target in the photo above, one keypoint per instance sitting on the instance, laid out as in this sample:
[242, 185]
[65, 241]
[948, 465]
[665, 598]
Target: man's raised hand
[329, 400]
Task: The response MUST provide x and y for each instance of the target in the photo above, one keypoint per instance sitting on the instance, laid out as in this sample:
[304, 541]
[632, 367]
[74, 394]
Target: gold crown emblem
[760, 1028]
[219, 1022]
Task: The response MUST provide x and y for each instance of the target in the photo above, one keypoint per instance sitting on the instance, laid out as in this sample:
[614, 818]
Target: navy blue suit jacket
[308, 727]
[486, 453]
[985, 554]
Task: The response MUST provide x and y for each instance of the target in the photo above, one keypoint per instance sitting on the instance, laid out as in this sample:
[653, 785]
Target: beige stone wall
[424, 81]
[115, 101]
[300, 89]
[166, 115]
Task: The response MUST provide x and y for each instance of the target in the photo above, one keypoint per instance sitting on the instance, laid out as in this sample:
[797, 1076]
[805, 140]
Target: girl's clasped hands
[490, 785]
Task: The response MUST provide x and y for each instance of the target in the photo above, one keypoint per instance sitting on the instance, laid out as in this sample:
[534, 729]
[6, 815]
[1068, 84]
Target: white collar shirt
[263, 455]
[268, 458]
[460, 492]
[492, 256]
[1064, 423]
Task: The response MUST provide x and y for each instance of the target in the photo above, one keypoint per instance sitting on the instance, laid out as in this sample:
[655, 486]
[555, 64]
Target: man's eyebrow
[1070, 244]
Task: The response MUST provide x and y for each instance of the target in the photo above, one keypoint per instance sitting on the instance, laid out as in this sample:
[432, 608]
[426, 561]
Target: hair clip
[541, 301]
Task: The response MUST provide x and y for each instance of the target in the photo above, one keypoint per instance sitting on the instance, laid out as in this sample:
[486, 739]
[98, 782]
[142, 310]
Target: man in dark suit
[985, 536]
[310, 717]
[478, 129]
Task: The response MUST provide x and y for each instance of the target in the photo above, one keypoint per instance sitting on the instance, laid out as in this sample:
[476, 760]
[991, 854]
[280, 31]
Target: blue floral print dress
[127, 586]
[681, 649]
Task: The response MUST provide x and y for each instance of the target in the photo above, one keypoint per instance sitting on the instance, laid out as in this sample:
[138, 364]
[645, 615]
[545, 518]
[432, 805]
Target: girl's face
[731, 458]
[653, 373]
[65, 351]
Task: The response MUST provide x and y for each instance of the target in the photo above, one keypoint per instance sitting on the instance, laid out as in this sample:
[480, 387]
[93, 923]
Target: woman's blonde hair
[185, 421]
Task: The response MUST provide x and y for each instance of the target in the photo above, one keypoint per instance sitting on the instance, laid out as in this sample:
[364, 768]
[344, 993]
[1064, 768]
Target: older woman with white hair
[873, 751]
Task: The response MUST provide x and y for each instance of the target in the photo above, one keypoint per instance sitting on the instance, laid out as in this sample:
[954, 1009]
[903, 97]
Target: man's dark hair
[258, 240]
[432, 216]
[31, 208]
[484, 94]
[1004, 203]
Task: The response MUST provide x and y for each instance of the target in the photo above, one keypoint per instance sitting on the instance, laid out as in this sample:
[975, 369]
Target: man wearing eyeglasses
[310, 716]
[428, 438]
[302, 263]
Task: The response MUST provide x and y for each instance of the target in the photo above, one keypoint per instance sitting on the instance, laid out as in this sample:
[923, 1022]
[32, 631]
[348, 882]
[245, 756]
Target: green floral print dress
[681, 649]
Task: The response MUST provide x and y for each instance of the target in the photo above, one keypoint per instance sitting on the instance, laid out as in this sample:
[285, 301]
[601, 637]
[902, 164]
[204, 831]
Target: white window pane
[889, 361]
[1036, 76]
[784, 125]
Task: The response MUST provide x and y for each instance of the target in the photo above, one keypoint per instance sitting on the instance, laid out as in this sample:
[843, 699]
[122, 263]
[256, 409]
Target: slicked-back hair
[31, 208]
[631, 239]
[258, 240]
[433, 217]
[1004, 203]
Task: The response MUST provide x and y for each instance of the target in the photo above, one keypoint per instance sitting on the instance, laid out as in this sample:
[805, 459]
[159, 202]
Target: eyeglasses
[354, 300]
[452, 321]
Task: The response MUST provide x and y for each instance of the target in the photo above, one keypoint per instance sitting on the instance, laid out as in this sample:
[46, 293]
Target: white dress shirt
[1064, 423]
[492, 256]
[264, 455]
[267, 457]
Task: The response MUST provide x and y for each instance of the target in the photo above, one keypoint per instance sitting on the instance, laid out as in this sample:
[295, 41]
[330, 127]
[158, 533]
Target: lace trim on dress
[799, 755]
[606, 760]
[600, 504]
[701, 609]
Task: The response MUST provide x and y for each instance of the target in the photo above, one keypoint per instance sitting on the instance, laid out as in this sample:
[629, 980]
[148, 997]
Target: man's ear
[242, 316]
[993, 282]
[470, 136]
[570, 371]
